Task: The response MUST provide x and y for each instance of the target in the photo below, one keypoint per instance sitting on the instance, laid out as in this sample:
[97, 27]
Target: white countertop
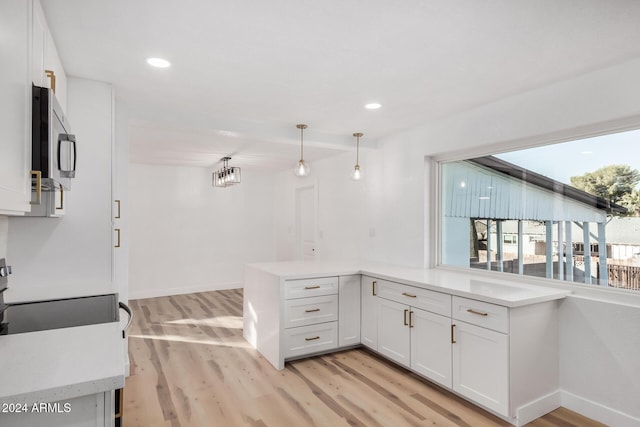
[496, 291]
[59, 364]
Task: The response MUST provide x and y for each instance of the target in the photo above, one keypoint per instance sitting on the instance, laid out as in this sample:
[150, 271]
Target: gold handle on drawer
[117, 216]
[52, 77]
[453, 336]
[373, 288]
[405, 318]
[411, 319]
[311, 339]
[312, 287]
[117, 245]
[38, 175]
[312, 310]
[479, 313]
[408, 295]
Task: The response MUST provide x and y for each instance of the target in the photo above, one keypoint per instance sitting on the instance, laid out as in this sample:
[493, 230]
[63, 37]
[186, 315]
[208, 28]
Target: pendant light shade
[302, 168]
[357, 173]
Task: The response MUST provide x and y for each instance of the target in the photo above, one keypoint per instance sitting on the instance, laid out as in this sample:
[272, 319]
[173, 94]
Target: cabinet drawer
[303, 288]
[435, 302]
[310, 339]
[480, 313]
[307, 311]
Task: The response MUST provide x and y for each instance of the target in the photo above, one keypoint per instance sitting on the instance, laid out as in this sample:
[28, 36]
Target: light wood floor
[190, 366]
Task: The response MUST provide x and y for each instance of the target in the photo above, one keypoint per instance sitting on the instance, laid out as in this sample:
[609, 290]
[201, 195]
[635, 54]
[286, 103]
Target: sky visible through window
[562, 161]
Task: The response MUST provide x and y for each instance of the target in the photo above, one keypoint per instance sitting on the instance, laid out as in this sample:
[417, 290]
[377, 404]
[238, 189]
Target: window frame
[433, 194]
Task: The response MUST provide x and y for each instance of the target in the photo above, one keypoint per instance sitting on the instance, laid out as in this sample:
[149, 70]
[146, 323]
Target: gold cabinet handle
[52, 77]
[411, 319]
[312, 338]
[479, 313]
[408, 295]
[118, 214]
[61, 207]
[117, 245]
[405, 318]
[312, 287]
[312, 310]
[38, 175]
[453, 336]
[373, 288]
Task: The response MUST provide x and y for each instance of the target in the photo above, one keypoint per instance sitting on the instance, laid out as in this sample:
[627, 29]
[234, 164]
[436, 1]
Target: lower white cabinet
[431, 346]
[481, 365]
[349, 310]
[394, 334]
[369, 313]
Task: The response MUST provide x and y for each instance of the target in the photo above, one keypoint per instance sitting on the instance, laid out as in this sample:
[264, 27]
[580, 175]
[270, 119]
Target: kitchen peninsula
[493, 342]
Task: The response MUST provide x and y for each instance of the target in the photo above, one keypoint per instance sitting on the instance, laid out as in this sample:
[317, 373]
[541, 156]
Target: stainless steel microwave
[53, 150]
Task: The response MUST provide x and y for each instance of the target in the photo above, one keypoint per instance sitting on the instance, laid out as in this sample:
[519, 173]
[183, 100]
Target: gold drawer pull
[311, 339]
[405, 317]
[479, 313]
[373, 288]
[408, 295]
[312, 310]
[453, 336]
[312, 287]
[411, 319]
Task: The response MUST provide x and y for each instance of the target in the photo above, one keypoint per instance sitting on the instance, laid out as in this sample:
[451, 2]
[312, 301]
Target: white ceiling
[245, 72]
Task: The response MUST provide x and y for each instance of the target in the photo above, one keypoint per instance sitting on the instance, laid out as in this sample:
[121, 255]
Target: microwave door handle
[72, 138]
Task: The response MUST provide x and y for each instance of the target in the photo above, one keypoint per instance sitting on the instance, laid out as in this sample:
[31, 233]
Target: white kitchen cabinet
[15, 108]
[46, 67]
[369, 313]
[431, 346]
[349, 310]
[394, 334]
[481, 366]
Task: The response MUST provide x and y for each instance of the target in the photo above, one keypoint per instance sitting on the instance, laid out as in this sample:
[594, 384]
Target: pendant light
[357, 174]
[227, 176]
[302, 169]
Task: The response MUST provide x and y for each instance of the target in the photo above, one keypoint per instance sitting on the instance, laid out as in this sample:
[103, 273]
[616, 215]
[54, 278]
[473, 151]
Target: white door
[431, 345]
[481, 366]
[306, 222]
[394, 334]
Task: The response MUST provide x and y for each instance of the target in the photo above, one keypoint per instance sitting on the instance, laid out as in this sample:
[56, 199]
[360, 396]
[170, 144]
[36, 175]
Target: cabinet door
[15, 108]
[431, 345]
[369, 313]
[349, 310]
[394, 334]
[481, 366]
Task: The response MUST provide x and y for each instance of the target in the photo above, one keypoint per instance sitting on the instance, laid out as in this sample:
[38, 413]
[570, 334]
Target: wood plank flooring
[190, 366]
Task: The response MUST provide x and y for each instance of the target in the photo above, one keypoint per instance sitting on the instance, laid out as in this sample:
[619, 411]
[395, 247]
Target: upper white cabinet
[46, 67]
[15, 107]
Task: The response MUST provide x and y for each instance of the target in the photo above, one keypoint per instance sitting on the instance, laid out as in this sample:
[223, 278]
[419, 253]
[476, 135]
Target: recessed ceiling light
[372, 106]
[158, 62]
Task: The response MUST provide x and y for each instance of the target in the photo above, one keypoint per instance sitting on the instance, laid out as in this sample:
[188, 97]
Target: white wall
[71, 256]
[397, 205]
[187, 236]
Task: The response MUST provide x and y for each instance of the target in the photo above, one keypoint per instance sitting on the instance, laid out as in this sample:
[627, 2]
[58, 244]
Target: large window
[567, 211]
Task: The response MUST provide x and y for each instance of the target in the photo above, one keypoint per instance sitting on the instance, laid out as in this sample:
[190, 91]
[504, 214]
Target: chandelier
[226, 176]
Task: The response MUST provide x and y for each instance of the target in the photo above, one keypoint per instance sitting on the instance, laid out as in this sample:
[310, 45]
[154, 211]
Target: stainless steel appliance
[53, 153]
[17, 318]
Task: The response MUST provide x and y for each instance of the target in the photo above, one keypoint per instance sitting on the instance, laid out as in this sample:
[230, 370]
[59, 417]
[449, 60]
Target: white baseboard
[539, 407]
[598, 411]
[153, 293]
